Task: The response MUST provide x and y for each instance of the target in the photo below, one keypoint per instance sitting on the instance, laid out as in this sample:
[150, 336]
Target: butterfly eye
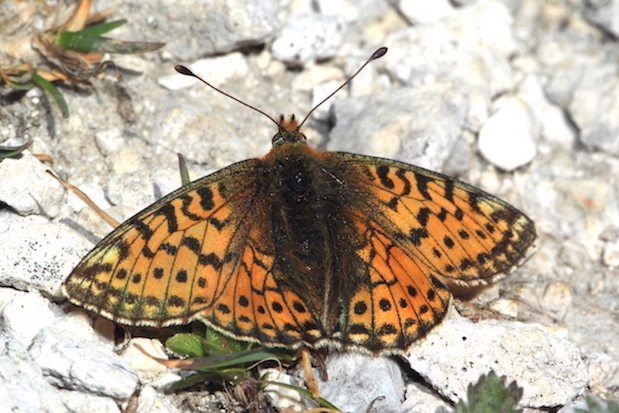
[277, 140]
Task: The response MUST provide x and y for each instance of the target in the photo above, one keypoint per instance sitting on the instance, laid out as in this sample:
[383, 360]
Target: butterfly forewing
[174, 258]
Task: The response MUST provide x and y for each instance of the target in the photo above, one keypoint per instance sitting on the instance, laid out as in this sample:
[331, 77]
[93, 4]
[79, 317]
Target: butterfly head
[288, 131]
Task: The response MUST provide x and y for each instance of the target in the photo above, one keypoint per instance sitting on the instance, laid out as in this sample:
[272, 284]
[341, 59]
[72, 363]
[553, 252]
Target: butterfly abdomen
[306, 216]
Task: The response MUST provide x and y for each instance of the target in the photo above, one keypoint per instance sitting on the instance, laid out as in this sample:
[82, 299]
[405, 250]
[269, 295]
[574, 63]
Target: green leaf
[220, 344]
[89, 43]
[10, 151]
[491, 395]
[182, 165]
[186, 345]
[236, 359]
[54, 92]
[21, 86]
[202, 377]
[99, 29]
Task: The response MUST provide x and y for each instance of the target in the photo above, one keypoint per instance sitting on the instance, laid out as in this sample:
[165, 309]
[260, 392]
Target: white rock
[216, 26]
[576, 406]
[282, 397]
[418, 126]
[109, 140]
[218, 70]
[610, 254]
[23, 388]
[603, 370]
[27, 188]
[38, 254]
[604, 14]
[376, 380]
[309, 37]
[26, 314]
[545, 364]
[134, 191]
[342, 8]
[126, 160]
[506, 307]
[595, 113]
[74, 363]
[421, 11]
[508, 138]
[215, 70]
[554, 125]
[557, 298]
[78, 402]
[421, 400]
[150, 401]
[470, 48]
[133, 354]
[140, 353]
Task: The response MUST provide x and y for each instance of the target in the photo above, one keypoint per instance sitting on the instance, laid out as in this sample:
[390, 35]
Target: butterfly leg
[309, 374]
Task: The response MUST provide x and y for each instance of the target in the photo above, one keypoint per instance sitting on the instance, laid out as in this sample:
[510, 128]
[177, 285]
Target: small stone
[216, 26]
[597, 117]
[109, 140]
[421, 11]
[86, 402]
[27, 188]
[610, 254]
[545, 364]
[215, 70]
[309, 37]
[93, 191]
[557, 298]
[604, 14]
[375, 381]
[150, 401]
[26, 314]
[509, 308]
[420, 400]
[141, 354]
[471, 48]
[23, 387]
[508, 137]
[38, 254]
[73, 362]
[126, 160]
[282, 397]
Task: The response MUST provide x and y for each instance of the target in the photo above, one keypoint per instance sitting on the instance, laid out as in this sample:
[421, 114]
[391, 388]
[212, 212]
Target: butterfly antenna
[380, 52]
[185, 71]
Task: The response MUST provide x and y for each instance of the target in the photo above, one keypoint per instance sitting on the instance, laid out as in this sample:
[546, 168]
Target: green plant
[71, 52]
[491, 394]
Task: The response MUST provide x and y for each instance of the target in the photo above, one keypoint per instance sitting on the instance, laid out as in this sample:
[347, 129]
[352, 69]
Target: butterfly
[305, 248]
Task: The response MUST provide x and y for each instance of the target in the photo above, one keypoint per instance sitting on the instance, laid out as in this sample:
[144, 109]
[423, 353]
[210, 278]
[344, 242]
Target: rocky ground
[518, 97]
